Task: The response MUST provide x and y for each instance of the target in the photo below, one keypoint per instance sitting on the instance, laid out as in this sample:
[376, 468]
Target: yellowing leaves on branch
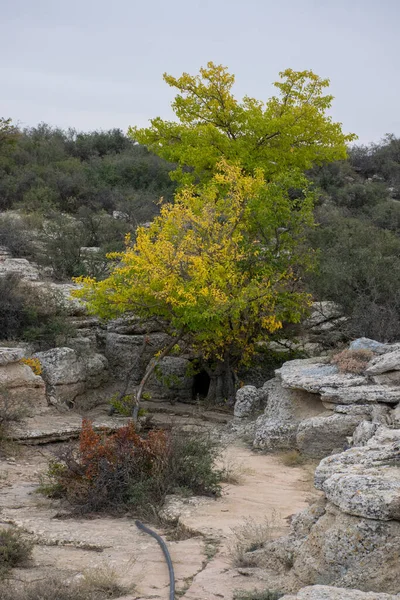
[218, 265]
[223, 265]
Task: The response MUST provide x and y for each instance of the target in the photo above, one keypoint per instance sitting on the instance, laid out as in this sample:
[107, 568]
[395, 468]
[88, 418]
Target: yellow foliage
[34, 364]
[205, 266]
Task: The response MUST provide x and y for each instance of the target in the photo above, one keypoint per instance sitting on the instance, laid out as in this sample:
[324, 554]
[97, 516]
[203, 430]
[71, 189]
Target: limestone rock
[364, 432]
[21, 390]
[319, 436]
[365, 480]
[362, 410]
[368, 344]
[19, 266]
[360, 394]
[313, 375]
[247, 401]
[363, 495]
[130, 354]
[61, 366]
[389, 378]
[323, 312]
[68, 375]
[11, 355]
[348, 551]
[284, 410]
[274, 434]
[390, 361]
[171, 380]
[325, 592]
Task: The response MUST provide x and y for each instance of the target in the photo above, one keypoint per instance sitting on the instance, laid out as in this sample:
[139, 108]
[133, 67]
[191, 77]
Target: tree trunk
[223, 386]
[149, 371]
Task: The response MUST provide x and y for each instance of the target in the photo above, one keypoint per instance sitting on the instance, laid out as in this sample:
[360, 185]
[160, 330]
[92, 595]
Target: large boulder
[315, 374]
[172, 380]
[365, 480]
[348, 551]
[285, 409]
[128, 355]
[247, 401]
[68, 374]
[319, 436]
[21, 391]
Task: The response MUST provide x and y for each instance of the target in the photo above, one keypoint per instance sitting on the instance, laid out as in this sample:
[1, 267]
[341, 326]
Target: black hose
[166, 553]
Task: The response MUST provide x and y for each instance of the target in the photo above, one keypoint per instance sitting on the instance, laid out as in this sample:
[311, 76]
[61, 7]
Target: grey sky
[98, 63]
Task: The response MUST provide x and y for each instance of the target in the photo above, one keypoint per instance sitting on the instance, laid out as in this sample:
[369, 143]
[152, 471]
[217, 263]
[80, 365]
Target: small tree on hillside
[223, 265]
[220, 266]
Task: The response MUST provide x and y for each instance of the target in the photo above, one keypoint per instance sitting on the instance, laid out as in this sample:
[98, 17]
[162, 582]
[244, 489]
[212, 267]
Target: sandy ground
[265, 489]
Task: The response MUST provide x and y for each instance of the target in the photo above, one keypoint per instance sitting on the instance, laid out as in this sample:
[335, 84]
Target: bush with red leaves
[127, 472]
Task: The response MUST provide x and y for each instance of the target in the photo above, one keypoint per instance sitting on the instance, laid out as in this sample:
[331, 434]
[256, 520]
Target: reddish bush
[352, 361]
[127, 471]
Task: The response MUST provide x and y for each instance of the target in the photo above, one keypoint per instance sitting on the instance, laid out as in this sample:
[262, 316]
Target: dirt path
[202, 562]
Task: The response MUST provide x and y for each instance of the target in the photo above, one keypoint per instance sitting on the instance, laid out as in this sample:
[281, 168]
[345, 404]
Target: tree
[291, 131]
[223, 265]
[8, 132]
[219, 266]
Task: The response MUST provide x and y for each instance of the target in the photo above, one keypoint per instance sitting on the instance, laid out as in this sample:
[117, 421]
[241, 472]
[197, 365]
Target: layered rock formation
[314, 407]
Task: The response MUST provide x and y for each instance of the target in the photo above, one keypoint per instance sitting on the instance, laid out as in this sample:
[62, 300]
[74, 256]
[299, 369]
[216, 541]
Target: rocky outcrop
[171, 380]
[325, 592]
[319, 436]
[351, 538]
[284, 411]
[21, 391]
[68, 375]
[339, 408]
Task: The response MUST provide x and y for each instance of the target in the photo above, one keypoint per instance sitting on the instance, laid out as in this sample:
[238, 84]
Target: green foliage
[51, 169]
[15, 550]
[289, 132]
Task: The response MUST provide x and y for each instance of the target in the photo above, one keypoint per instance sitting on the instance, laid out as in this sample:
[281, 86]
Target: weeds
[258, 595]
[97, 584]
[15, 550]
[249, 537]
[352, 361]
[292, 458]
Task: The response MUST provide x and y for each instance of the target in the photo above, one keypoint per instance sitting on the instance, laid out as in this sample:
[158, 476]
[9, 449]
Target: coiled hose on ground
[166, 553]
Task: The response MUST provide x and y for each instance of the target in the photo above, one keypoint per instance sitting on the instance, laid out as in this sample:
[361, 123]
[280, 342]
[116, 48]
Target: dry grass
[292, 458]
[249, 537]
[233, 472]
[352, 361]
[258, 595]
[15, 550]
[97, 584]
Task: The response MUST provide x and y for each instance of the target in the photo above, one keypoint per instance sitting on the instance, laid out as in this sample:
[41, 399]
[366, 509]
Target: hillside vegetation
[63, 191]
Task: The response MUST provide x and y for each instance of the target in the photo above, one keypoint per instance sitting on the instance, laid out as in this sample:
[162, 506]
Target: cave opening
[201, 384]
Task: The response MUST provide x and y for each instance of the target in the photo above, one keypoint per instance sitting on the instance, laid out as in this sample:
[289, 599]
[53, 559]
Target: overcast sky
[97, 64]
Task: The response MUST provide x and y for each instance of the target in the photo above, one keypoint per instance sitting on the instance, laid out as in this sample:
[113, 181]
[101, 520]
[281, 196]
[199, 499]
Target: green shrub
[15, 550]
[126, 472]
[359, 267]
